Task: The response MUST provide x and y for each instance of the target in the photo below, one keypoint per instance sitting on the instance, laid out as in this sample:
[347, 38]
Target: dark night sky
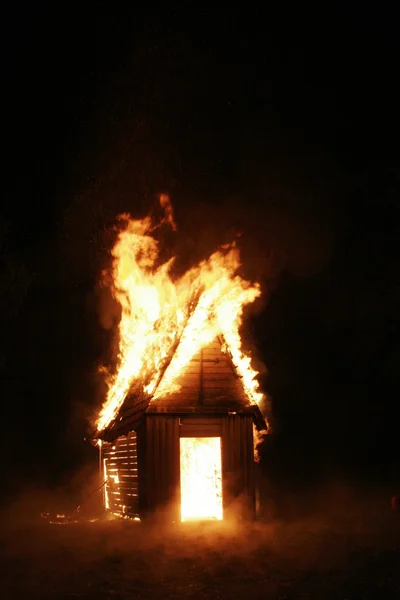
[285, 129]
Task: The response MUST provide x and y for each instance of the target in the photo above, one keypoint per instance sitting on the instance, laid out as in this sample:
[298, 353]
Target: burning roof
[168, 323]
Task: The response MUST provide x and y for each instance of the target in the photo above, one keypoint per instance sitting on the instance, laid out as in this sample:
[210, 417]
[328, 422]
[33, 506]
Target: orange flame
[201, 478]
[163, 316]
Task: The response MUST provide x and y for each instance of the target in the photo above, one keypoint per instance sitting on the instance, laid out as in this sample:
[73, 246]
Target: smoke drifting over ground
[346, 545]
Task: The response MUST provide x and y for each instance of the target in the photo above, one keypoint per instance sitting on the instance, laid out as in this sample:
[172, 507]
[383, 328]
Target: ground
[348, 554]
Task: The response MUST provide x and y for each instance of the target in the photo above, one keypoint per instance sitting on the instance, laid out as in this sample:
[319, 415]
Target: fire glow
[164, 316]
[201, 478]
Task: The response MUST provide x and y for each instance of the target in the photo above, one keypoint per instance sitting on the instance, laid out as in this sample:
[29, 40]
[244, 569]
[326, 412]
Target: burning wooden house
[176, 431]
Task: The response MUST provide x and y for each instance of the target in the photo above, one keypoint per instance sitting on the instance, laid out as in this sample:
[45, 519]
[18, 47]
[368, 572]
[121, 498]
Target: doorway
[201, 478]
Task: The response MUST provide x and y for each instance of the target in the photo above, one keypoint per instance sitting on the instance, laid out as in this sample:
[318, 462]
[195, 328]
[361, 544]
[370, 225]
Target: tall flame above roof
[166, 320]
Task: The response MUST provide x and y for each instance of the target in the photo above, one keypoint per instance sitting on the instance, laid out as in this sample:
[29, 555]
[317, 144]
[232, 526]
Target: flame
[163, 316]
[106, 496]
[201, 478]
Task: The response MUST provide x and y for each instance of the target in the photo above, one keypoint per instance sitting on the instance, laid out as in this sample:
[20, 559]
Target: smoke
[337, 538]
[72, 495]
[107, 308]
[272, 237]
[165, 203]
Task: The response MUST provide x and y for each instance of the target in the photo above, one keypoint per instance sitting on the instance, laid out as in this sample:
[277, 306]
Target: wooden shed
[188, 455]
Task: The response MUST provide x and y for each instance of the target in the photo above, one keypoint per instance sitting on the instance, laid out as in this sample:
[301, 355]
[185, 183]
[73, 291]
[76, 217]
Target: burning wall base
[119, 466]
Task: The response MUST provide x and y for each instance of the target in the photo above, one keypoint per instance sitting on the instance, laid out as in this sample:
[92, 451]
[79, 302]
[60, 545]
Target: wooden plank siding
[160, 465]
[238, 465]
[120, 467]
[207, 382]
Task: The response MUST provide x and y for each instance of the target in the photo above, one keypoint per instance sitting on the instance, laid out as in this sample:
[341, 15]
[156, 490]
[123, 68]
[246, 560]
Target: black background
[283, 127]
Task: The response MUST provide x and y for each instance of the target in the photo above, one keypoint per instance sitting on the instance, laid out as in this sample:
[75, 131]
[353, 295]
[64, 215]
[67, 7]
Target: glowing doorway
[201, 480]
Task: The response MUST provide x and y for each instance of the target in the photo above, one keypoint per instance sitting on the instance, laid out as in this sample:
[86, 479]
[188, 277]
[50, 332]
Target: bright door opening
[201, 478]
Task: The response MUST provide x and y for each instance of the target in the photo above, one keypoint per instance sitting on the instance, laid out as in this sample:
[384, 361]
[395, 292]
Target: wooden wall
[159, 478]
[158, 443]
[238, 466]
[143, 468]
[120, 466]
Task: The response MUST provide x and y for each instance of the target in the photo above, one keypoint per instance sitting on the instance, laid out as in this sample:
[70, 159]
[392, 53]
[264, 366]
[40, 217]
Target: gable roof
[208, 384]
[209, 381]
